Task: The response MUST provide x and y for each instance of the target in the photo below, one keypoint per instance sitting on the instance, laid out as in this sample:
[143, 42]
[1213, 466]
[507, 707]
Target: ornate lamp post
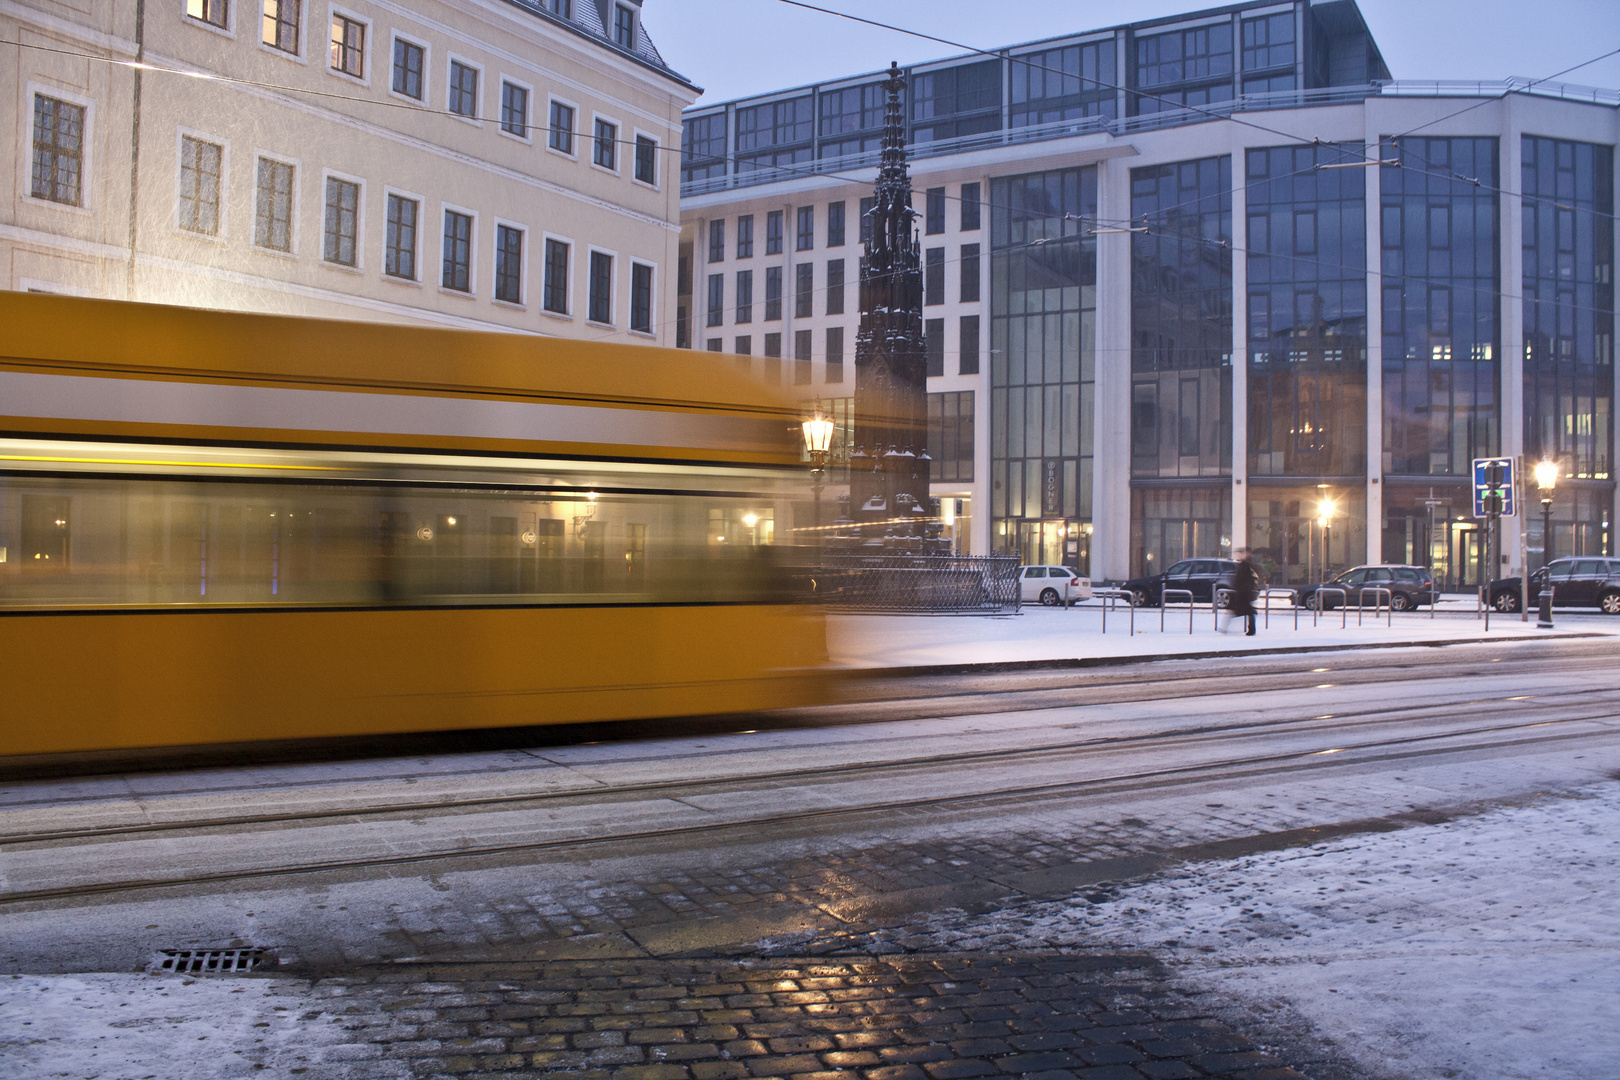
[1546, 480]
[818, 435]
[1324, 516]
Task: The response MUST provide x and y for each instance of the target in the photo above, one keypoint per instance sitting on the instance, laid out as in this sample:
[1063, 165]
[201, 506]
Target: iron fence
[983, 585]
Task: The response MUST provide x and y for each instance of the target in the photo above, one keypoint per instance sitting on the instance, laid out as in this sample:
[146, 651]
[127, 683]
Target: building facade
[490, 164]
[1190, 282]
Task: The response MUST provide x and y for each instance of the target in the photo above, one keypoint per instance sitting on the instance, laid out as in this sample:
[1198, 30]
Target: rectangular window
[934, 277]
[605, 153]
[272, 226]
[641, 297]
[58, 151]
[745, 236]
[936, 211]
[717, 300]
[601, 288]
[624, 27]
[565, 8]
[280, 29]
[801, 358]
[463, 99]
[934, 338]
[744, 346]
[554, 290]
[508, 264]
[804, 291]
[342, 221]
[457, 251]
[213, 12]
[348, 46]
[970, 207]
[562, 127]
[773, 293]
[646, 160]
[866, 218]
[515, 110]
[715, 344]
[806, 238]
[835, 287]
[745, 297]
[199, 186]
[773, 358]
[967, 352]
[835, 224]
[717, 240]
[835, 354]
[399, 250]
[970, 273]
[773, 233]
[408, 60]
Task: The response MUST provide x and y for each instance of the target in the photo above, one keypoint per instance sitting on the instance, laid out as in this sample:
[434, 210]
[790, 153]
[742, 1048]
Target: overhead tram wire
[1108, 225]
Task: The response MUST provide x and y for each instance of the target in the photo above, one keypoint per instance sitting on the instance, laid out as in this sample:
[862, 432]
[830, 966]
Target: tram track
[1516, 735]
[1147, 741]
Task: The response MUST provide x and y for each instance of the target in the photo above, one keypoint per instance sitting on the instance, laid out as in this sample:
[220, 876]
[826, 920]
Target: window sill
[560, 316]
[357, 80]
[219, 239]
[470, 121]
[600, 325]
[458, 293]
[636, 180]
[562, 153]
[511, 305]
[204, 24]
[291, 57]
[397, 280]
[604, 169]
[276, 252]
[357, 270]
[71, 208]
[524, 139]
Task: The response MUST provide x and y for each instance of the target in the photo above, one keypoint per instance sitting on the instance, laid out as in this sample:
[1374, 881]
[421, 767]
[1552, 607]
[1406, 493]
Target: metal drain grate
[208, 961]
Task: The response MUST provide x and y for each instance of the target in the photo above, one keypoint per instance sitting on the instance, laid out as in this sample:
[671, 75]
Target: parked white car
[1052, 585]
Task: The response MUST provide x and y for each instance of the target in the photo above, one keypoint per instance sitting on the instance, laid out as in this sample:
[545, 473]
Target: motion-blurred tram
[223, 528]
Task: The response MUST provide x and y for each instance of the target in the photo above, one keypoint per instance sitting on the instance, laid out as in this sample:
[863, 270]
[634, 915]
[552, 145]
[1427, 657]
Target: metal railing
[1344, 603]
[1099, 125]
[1110, 601]
[1293, 600]
[987, 584]
[1382, 598]
[1164, 604]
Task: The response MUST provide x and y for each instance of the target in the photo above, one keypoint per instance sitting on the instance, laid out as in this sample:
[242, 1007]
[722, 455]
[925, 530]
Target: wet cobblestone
[1107, 1016]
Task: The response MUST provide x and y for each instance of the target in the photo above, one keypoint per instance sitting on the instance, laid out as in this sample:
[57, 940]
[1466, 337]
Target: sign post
[1493, 500]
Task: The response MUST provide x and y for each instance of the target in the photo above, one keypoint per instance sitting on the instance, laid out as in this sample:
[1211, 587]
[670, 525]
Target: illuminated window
[213, 12]
[281, 19]
[348, 46]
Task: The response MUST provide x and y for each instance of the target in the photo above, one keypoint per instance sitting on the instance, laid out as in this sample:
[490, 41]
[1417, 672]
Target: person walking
[1245, 590]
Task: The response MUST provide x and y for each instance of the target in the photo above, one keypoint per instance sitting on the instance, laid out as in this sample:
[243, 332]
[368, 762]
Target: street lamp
[1324, 516]
[1546, 480]
[818, 435]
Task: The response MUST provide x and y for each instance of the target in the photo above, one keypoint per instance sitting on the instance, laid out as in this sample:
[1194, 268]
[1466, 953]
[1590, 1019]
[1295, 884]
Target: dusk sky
[734, 48]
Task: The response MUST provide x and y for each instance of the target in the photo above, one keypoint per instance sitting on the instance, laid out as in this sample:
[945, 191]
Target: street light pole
[818, 433]
[1546, 480]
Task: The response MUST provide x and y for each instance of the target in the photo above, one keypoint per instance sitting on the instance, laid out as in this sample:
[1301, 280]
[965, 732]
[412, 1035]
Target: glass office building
[1213, 280]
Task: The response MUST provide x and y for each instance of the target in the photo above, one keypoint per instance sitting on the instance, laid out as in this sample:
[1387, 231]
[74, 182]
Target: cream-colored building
[489, 164]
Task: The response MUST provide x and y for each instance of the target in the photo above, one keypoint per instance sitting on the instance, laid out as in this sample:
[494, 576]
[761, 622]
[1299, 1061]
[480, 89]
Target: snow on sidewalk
[1485, 947]
[145, 1027]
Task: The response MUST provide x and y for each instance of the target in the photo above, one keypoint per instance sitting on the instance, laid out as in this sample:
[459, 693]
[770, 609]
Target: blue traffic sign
[1493, 487]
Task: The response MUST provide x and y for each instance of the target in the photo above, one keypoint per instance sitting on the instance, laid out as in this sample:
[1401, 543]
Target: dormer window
[624, 26]
[565, 8]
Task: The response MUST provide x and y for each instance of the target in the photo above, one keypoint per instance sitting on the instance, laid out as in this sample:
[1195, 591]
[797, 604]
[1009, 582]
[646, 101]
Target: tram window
[46, 530]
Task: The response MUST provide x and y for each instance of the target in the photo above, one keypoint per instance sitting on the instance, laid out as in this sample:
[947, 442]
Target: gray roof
[586, 19]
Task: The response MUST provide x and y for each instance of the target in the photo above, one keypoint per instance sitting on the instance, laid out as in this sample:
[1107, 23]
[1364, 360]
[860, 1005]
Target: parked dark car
[1198, 576]
[1409, 587]
[1575, 582]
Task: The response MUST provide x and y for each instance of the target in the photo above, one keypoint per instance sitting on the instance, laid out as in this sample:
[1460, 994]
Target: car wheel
[1050, 598]
[1139, 599]
[1400, 602]
[1610, 603]
[1506, 602]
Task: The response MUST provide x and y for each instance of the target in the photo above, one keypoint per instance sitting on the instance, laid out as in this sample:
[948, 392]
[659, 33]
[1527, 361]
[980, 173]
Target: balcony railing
[1101, 125]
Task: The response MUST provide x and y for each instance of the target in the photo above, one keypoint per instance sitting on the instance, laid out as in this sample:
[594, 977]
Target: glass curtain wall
[1441, 262]
[1181, 360]
[1307, 397]
[1042, 364]
[1568, 292]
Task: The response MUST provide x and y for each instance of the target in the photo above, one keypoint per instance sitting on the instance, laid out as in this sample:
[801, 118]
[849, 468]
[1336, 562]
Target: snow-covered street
[1487, 946]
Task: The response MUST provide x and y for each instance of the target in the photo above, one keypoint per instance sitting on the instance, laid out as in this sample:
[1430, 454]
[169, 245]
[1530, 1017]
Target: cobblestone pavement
[958, 1016]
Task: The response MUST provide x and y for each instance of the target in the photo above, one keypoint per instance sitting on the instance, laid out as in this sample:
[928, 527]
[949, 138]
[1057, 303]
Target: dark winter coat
[1245, 587]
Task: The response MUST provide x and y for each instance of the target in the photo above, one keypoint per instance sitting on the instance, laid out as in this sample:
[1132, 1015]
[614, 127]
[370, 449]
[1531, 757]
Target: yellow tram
[226, 528]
